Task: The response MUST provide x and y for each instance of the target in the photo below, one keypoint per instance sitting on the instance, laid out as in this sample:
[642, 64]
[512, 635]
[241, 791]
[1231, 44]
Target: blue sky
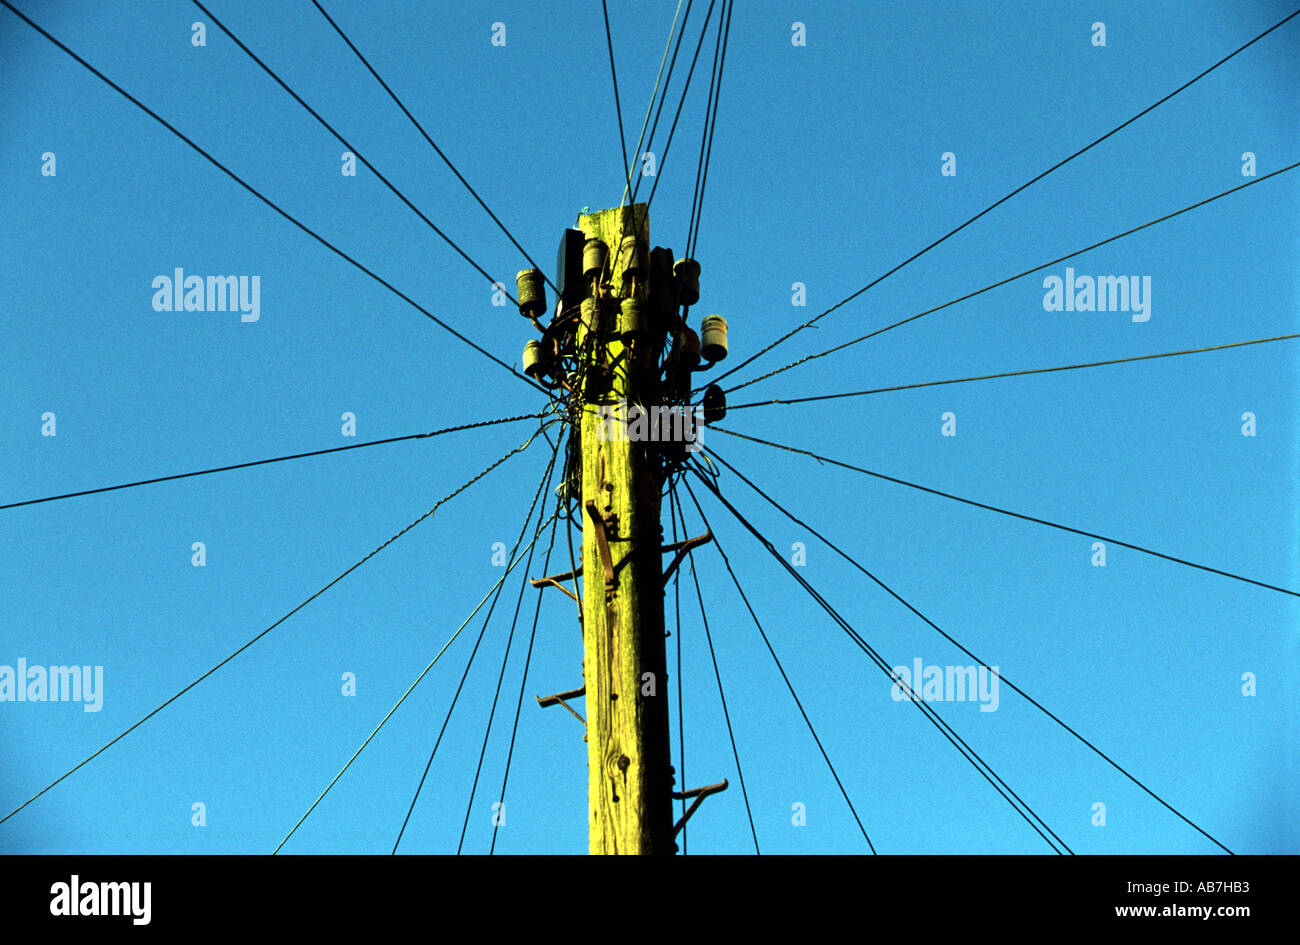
[825, 171]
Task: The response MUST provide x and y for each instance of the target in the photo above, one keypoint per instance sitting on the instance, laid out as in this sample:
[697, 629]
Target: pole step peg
[602, 543]
[683, 548]
[561, 698]
[554, 581]
[699, 793]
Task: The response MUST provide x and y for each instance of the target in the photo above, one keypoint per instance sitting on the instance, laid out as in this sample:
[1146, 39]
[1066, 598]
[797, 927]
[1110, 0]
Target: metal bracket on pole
[699, 793]
[682, 548]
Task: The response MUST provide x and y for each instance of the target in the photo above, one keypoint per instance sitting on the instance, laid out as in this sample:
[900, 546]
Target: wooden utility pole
[625, 357]
[630, 779]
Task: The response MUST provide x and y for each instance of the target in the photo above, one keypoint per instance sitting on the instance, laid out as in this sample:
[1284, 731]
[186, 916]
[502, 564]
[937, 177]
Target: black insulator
[687, 272]
[715, 404]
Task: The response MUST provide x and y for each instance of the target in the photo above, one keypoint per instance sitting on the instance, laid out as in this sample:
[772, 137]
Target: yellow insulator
[532, 293]
[588, 311]
[632, 257]
[534, 362]
[713, 330]
[594, 253]
[632, 324]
